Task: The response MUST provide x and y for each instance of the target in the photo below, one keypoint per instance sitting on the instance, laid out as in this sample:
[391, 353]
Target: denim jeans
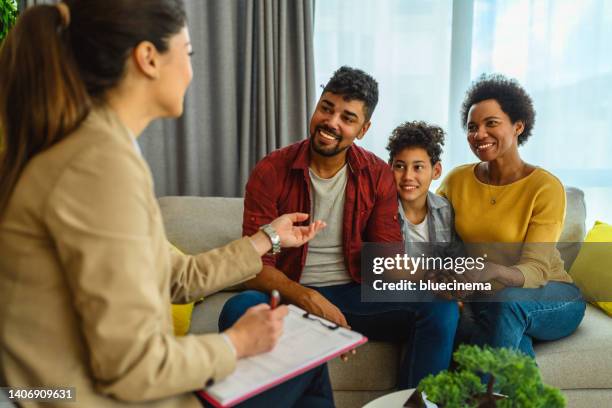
[552, 312]
[428, 328]
[311, 389]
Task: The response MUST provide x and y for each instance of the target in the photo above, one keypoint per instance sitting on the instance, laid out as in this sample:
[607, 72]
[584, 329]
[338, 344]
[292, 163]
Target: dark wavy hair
[513, 99]
[417, 134]
[353, 83]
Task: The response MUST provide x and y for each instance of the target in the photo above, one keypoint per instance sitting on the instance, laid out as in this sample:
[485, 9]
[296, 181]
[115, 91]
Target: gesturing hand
[295, 236]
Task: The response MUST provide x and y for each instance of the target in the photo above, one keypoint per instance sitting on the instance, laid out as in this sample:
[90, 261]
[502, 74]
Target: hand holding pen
[259, 329]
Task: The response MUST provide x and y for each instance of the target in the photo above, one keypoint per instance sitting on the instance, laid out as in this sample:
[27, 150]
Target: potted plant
[512, 380]
[8, 15]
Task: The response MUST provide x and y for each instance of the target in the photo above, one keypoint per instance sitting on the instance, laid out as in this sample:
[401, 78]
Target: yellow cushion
[606, 306]
[591, 269]
[181, 318]
[181, 314]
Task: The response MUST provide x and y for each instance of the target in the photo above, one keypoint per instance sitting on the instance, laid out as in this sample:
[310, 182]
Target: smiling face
[413, 173]
[490, 132]
[336, 124]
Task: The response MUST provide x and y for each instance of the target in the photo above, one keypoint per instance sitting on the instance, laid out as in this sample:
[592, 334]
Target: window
[396, 42]
[424, 54]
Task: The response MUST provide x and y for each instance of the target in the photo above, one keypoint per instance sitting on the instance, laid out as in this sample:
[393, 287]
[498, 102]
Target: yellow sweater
[530, 210]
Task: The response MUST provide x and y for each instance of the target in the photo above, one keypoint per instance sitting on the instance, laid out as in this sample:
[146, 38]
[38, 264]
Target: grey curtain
[252, 92]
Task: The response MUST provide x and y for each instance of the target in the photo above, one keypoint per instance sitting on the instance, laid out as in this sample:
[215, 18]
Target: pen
[274, 299]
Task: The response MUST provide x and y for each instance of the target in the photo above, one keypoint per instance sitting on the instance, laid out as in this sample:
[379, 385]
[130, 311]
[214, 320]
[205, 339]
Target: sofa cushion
[575, 215]
[573, 228]
[591, 269]
[373, 368]
[196, 224]
[582, 360]
[205, 316]
[181, 318]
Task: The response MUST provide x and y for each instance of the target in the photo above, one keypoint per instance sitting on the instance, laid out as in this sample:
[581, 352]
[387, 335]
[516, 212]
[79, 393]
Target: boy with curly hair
[414, 155]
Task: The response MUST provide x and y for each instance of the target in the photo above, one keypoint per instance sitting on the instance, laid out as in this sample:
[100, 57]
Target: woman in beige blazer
[86, 273]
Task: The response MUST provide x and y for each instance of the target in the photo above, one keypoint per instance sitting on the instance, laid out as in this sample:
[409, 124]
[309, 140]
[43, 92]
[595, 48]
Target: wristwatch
[274, 238]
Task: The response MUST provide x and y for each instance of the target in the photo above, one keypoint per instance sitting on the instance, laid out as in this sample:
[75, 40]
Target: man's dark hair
[417, 134]
[512, 98]
[353, 83]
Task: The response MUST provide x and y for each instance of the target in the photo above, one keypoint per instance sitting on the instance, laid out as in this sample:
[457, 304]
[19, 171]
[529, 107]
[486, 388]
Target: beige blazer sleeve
[201, 275]
[107, 228]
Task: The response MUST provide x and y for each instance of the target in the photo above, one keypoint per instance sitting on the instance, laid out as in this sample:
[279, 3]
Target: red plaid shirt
[280, 184]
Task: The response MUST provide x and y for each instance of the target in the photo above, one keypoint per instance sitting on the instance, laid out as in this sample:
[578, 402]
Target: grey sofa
[580, 365]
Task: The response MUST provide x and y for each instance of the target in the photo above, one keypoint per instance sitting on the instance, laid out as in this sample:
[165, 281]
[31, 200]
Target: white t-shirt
[325, 259]
[418, 232]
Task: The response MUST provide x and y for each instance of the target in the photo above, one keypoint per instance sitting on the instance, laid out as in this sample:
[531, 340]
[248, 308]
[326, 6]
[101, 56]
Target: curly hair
[353, 83]
[417, 134]
[511, 96]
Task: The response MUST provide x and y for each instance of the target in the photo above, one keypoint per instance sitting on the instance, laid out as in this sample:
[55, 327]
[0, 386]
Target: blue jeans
[428, 328]
[311, 389]
[552, 312]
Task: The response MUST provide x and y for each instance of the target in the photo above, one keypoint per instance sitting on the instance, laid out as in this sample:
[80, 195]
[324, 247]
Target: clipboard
[318, 341]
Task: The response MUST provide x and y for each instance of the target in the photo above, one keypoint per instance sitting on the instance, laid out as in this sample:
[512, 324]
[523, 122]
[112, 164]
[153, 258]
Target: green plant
[450, 389]
[8, 15]
[512, 374]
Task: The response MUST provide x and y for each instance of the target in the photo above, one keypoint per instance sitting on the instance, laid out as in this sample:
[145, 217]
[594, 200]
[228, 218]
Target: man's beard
[321, 150]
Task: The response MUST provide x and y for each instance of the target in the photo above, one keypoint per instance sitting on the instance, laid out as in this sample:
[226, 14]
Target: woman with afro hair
[518, 207]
